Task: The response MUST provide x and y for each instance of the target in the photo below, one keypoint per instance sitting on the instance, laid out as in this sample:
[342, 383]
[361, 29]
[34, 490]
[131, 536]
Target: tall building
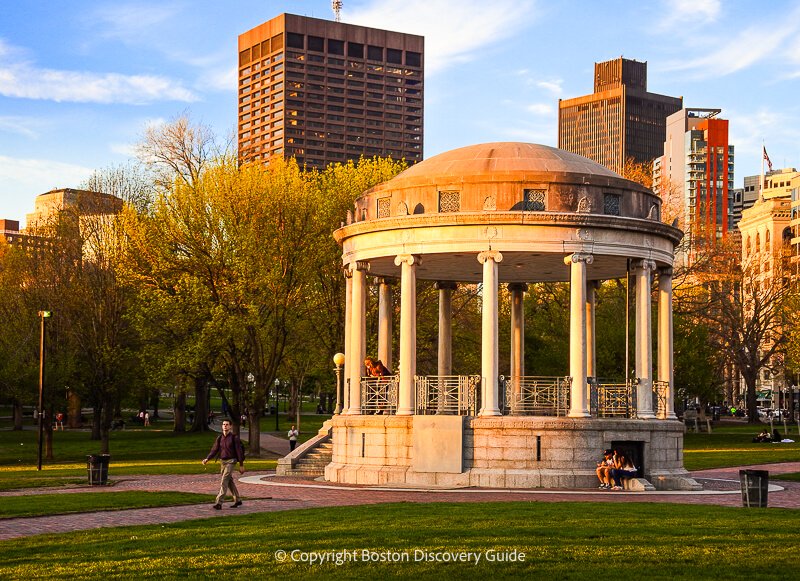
[767, 253]
[620, 120]
[326, 92]
[697, 164]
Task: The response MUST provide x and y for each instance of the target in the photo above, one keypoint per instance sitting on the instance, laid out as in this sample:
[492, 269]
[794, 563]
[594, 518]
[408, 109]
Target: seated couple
[613, 468]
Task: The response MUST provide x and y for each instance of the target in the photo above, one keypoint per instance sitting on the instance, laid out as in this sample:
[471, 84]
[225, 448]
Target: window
[449, 201]
[384, 207]
[335, 46]
[374, 53]
[294, 40]
[394, 56]
[316, 43]
[413, 59]
[355, 50]
[611, 204]
[535, 200]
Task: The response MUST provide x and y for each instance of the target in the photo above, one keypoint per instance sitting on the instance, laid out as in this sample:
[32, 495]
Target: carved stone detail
[490, 204]
[579, 257]
[402, 209]
[490, 255]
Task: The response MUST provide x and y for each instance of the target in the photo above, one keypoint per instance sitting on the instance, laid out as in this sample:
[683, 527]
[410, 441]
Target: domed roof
[504, 158]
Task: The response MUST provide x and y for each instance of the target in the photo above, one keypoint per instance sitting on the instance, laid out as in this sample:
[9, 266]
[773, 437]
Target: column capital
[410, 259]
[665, 271]
[644, 264]
[445, 285]
[387, 280]
[578, 257]
[518, 286]
[358, 265]
[346, 271]
[490, 255]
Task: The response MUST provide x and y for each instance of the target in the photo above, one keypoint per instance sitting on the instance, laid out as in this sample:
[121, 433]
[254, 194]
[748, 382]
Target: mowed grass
[141, 451]
[733, 446]
[55, 504]
[559, 541]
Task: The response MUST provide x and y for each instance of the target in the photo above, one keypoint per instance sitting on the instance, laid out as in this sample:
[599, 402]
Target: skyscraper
[326, 92]
[697, 164]
[621, 119]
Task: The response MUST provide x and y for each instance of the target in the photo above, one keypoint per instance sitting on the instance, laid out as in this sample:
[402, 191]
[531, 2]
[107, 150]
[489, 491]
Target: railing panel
[537, 395]
[379, 395]
[447, 394]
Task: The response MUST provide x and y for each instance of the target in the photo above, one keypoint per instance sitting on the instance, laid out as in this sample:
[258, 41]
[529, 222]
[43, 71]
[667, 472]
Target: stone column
[517, 367]
[348, 315]
[591, 361]
[408, 333]
[579, 393]
[446, 289]
[358, 334]
[665, 339]
[644, 345]
[489, 334]
[385, 322]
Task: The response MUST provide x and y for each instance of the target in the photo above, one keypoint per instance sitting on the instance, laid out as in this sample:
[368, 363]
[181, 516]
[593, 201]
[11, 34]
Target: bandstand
[513, 214]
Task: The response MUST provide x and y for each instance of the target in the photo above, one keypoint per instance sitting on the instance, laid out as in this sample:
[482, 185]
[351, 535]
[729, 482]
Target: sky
[80, 81]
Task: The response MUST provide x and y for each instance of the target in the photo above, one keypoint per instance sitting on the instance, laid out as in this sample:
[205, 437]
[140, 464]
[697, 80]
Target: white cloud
[24, 126]
[21, 79]
[553, 86]
[130, 22]
[740, 52]
[126, 149]
[454, 30]
[23, 179]
[681, 12]
[540, 108]
[220, 79]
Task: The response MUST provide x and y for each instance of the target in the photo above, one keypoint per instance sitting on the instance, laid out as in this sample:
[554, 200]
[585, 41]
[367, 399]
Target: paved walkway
[265, 492]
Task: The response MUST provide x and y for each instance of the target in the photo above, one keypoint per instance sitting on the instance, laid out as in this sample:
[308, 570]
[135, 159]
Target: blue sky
[81, 80]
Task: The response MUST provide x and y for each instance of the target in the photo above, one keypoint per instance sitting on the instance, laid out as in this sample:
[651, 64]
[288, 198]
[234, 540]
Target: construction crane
[337, 7]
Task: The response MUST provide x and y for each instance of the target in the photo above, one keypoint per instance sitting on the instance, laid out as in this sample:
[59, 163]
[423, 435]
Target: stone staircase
[309, 459]
[312, 465]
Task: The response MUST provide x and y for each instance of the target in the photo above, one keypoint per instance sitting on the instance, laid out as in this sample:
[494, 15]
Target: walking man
[230, 451]
[293, 433]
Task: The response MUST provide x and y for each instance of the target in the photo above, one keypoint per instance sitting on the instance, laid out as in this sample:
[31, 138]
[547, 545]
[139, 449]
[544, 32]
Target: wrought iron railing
[447, 394]
[379, 395]
[536, 395]
[660, 389]
[612, 400]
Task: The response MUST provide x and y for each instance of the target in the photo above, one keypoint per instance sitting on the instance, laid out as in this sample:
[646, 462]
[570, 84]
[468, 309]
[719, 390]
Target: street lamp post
[42, 316]
[277, 385]
[338, 360]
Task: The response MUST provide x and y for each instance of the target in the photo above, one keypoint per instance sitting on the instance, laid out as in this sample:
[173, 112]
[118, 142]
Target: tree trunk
[751, 399]
[96, 413]
[105, 427]
[154, 399]
[200, 423]
[73, 410]
[17, 413]
[179, 413]
[254, 433]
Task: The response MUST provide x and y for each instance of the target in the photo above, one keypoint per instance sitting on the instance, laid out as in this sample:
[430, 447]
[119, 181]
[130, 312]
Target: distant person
[230, 450]
[776, 436]
[243, 420]
[146, 419]
[604, 468]
[763, 436]
[60, 421]
[625, 469]
[293, 433]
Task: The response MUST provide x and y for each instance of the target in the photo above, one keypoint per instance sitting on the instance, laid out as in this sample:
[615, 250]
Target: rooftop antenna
[337, 7]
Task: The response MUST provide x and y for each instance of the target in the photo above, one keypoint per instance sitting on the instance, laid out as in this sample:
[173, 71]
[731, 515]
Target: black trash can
[97, 467]
[755, 485]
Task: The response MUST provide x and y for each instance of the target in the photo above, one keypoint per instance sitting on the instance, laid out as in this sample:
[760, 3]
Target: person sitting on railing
[375, 368]
[625, 470]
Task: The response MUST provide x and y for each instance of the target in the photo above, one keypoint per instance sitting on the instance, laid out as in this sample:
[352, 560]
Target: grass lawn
[559, 541]
[52, 504]
[133, 451]
[732, 445]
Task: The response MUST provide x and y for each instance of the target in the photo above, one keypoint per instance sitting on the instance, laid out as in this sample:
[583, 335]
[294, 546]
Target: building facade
[768, 252]
[325, 92]
[619, 120]
[698, 163]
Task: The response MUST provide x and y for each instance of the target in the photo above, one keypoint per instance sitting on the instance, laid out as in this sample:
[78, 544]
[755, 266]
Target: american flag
[766, 158]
